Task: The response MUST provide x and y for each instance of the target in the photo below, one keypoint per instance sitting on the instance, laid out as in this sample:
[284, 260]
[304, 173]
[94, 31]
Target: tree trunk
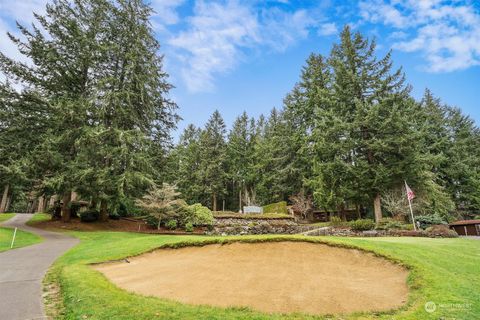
[9, 201]
[103, 210]
[240, 200]
[41, 201]
[377, 207]
[341, 212]
[66, 206]
[3, 204]
[214, 200]
[359, 214]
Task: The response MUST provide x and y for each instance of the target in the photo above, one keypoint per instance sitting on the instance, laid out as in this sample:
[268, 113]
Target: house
[466, 227]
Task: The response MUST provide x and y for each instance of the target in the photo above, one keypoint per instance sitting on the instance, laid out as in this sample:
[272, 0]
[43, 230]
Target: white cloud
[21, 10]
[165, 13]
[446, 33]
[327, 29]
[218, 33]
[210, 44]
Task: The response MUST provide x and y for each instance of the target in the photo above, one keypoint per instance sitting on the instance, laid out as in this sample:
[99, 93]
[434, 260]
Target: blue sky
[235, 55]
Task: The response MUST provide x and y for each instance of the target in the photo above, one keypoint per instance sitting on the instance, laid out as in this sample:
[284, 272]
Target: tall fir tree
[363, 140]
[213, 164]
[98, 78]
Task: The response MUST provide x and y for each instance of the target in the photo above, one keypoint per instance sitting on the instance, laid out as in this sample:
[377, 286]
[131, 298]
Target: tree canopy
[87, 111]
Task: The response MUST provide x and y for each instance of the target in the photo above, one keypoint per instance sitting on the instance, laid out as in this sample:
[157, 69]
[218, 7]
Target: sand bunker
[271, 277]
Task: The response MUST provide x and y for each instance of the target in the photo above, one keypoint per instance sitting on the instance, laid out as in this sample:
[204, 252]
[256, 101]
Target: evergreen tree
[240, 160]
[188, 158]
[278, 177]
[363, 141]
[130, 113]
[56, 83]
[213, 164]
[98, 80]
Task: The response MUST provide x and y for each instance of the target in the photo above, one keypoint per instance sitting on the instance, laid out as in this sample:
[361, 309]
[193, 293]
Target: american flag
[410, 193]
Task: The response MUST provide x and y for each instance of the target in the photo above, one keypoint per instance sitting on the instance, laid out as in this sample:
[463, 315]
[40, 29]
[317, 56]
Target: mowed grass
[444, 271]
[6, 216]
[39, 217]
[22, 238]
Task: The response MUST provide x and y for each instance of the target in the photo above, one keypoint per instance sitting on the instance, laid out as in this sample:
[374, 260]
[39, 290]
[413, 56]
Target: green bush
[197, 215]
[426, 221]
[122, 210]
[278, 207]
[126, 208]
[151, 221]
[114, 216]
[171, 224]
[362, 224]
[74, 208]
[189, 227]
[336, 221]
[391, 224]
[90, 215]
[441, 231]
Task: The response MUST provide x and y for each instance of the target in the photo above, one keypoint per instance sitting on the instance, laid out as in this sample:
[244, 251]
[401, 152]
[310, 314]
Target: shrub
[278, 207]
[426, 221]
[122, 210]
[336, 222]
[171, 224]
[362, 224]
[442, 231]
[152, 221]
[90, 215]
[189, 227]
[74, 208]
[161, 203]
[114, 216]
[391, 224]
[197, 215]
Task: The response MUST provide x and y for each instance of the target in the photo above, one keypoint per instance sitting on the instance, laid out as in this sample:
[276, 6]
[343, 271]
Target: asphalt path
[22, 271]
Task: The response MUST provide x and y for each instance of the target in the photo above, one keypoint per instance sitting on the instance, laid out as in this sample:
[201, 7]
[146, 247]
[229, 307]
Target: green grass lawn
[39, 217]
[22, 239]
[444, 271]
[6, 216]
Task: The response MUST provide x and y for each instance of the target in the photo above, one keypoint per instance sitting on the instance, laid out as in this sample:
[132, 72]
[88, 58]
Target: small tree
[395, 201]
[302, 203]
[161, 203]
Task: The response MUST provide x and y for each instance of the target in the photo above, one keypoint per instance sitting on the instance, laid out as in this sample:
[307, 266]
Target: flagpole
[411, 210]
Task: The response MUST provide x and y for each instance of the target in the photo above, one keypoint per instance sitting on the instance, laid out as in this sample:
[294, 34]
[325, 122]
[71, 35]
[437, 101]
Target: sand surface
[271, 277]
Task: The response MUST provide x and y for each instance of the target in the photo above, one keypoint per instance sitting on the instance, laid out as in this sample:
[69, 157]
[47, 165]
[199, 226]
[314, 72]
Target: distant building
[466, 227]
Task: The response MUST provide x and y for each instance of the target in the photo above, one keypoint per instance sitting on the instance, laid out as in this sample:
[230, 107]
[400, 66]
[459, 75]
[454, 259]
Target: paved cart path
[22, 271]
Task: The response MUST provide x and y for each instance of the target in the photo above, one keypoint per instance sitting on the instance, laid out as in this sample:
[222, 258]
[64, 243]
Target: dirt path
[23, 269]
[270, 277]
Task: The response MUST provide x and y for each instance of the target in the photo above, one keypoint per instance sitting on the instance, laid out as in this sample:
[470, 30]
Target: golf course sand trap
[271, 277]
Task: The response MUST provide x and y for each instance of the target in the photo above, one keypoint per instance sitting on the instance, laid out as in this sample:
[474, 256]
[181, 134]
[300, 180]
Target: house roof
[464, 222]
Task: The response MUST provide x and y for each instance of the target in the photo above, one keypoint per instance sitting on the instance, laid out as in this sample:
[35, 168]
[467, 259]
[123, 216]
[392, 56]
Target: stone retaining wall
[330, 231]
[237, 226]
